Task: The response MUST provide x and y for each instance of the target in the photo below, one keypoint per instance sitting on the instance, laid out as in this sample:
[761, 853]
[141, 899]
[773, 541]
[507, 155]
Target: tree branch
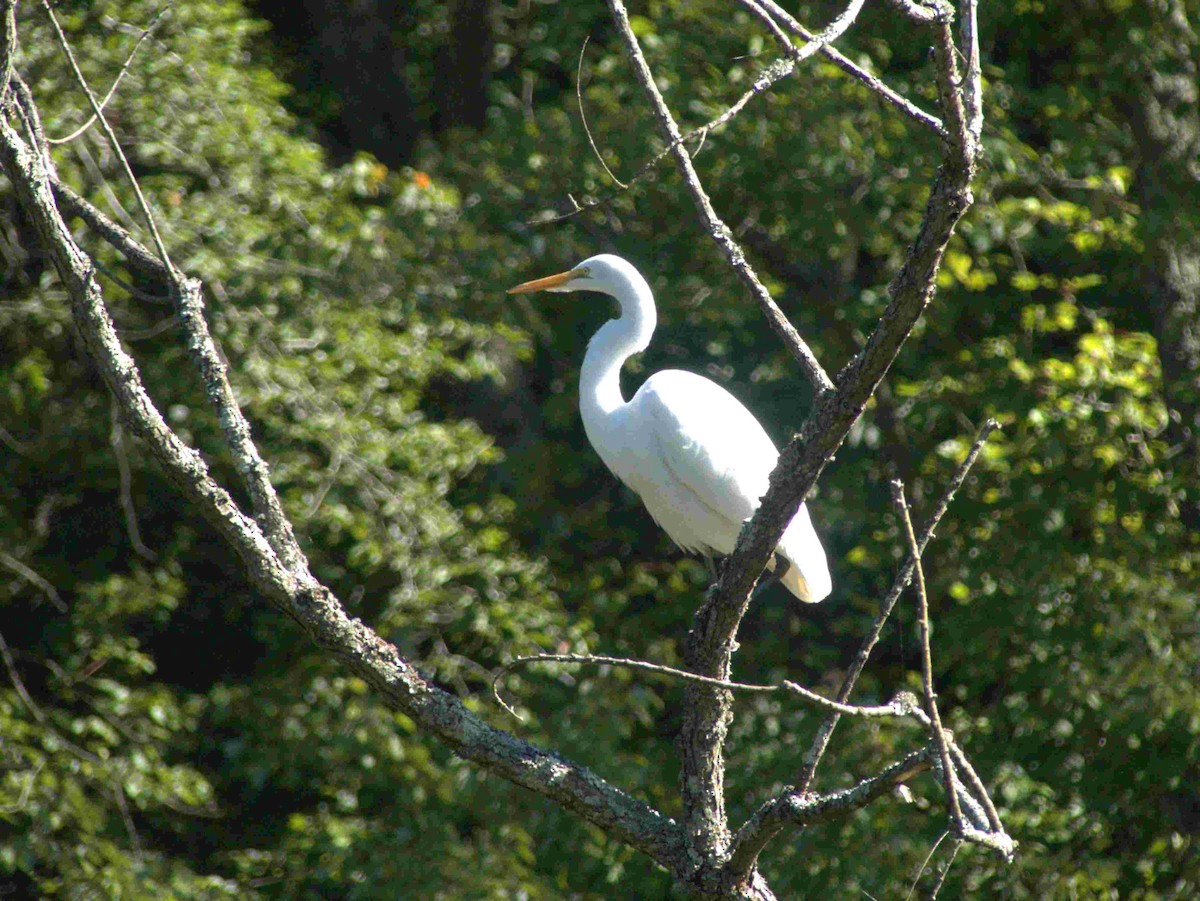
[213, 372]
[895, 708]
[821, 741]
[8, 46]
[873, 82]
[146, 32]
[295, 591]
[713, 224]
[931, 709]
[803, 809]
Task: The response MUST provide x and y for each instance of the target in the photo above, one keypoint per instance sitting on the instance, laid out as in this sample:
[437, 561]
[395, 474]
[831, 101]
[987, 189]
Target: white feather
[698, 459]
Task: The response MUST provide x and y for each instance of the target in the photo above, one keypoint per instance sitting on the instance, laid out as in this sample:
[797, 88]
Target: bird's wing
[708, 440]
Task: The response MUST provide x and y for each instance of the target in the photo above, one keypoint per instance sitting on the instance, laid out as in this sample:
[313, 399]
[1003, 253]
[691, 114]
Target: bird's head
[604, 272]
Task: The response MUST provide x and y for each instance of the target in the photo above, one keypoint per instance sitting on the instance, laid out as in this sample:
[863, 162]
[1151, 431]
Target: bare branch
[804, 809]
[894, 709]
[816, 42]
[112, 137]
[8, 46]
[135, 254]
[116, 82]
[981, 792]
[921, 869]
[117, 440]
[821, 741]
[190, 306]
[767, 78]
[918, 12]
[931, 709]
[34, 578]
[583, 116]
[944, 871]
[297, 593]
[713, 224]
[873, 82]
[13, 676]
[973, 89]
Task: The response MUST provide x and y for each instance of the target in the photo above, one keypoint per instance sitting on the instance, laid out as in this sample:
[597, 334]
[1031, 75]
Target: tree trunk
[1165, 119]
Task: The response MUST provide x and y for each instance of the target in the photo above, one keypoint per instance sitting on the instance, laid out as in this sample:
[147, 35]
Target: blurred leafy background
[357, 184]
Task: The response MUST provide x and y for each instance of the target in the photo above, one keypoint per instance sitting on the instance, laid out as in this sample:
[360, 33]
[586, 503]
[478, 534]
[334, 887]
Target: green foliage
[177, 738]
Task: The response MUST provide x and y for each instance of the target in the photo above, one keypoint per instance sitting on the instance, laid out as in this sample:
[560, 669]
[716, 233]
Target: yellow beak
[541, 284]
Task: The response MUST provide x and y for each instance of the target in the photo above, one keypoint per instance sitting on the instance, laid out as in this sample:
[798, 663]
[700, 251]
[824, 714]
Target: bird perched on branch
[698, 459]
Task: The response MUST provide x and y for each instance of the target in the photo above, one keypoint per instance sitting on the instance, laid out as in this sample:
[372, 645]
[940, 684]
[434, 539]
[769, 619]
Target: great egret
[698, 459]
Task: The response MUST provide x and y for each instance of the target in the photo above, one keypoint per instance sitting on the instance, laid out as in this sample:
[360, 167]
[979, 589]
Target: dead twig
[146, 32]
[824, 733]
[583, 117]
[894, 709]
[931, 708]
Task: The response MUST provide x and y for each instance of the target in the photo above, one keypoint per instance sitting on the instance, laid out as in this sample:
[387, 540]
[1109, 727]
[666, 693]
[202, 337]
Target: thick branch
[190, 304]
[8, 46]
[707, 709]
[296, 593]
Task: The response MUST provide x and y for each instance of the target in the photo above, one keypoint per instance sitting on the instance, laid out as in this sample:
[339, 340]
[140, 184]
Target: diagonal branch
[804, 809]
[713, 224]
[296, 592]
[146, 32]
[98, 111]
[873, 82]
[931, 708]
[821, 741]
[713, 637]
[213, 371]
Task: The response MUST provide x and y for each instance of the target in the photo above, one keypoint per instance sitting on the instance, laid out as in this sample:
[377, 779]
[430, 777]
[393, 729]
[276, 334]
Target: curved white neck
[615, 342]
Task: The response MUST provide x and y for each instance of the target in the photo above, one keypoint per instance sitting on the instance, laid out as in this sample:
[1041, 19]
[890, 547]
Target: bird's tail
[793, 580]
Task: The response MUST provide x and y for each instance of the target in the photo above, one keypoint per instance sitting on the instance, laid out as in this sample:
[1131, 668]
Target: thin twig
[28, 112]
[112, 137]
[135, 840]
[945, 870]
[583, 116]
[767, 78]
[29, 575]
[821, 741]
[873, 82]
[15, 678]
[921, 869]
[931, 708]
[816, 42]
[26, 789]
[894, 709]
[117, 81]
[804, 809]
[117, 440]
[713, 224]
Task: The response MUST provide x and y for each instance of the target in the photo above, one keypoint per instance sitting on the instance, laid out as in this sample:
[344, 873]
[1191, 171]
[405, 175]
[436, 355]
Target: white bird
[698, 459]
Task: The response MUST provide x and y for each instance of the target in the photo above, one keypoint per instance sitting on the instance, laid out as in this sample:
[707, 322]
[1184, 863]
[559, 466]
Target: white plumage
[698, 459]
